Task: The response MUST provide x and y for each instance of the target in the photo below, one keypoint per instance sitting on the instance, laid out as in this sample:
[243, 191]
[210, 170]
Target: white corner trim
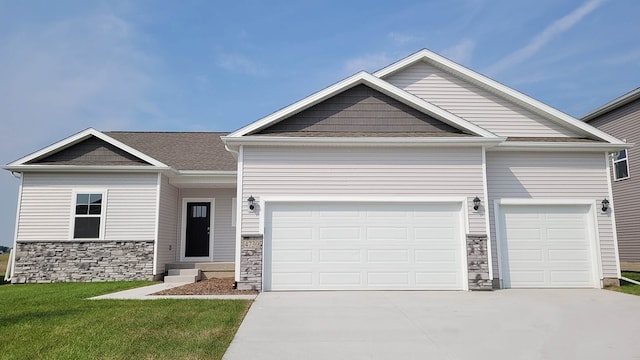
[76, 138]
[487, 225]
[496, 87]
[15, 231]
[156, 241]
[374, 82]
[239, 190]
[607, 170]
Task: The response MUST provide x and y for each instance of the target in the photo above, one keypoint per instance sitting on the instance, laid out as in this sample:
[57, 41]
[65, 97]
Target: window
[620, 165]
[88, 214]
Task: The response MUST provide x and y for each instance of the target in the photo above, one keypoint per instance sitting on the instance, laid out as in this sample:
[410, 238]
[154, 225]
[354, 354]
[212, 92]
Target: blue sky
[216, 66]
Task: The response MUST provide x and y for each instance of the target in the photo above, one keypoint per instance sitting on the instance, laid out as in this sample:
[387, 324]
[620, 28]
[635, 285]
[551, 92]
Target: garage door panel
[363, 246]
[433, 233]
[388, 256]
[546, 246]
[339, 233]
[340, 256]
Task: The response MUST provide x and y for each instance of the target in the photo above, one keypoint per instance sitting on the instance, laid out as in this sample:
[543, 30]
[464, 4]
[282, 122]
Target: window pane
[82, 199]
[87, 228]
[620, 169]
[82, 209]
[622, 154]
[95, 209]
[96, 198]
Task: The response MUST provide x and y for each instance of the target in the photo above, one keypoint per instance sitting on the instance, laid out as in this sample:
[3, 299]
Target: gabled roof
[75, 139]
[497, 89]
[375, 83]
[612, 105]
[181, 151]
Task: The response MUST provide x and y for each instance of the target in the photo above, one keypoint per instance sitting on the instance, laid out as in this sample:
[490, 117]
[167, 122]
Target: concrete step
[218, 274]
[184, 272]
[180, 279]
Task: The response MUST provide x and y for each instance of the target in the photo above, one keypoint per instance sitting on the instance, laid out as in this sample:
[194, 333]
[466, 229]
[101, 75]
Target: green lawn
[629, 288]
[54, 321]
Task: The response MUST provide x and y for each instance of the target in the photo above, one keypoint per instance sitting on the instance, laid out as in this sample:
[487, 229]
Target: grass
[4, 258]
[54, 321]
[627, 287]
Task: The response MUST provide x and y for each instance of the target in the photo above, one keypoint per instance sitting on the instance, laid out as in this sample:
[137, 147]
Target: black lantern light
[252, 202]
[605, 205]
[476, 203]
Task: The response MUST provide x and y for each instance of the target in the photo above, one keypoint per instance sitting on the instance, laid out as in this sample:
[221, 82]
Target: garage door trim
[266, 201]
[592, 228]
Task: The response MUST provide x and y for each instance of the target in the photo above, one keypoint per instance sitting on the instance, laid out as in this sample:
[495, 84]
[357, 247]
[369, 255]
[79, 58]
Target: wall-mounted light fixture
[252, 202]
[605, 205]
[476, 203]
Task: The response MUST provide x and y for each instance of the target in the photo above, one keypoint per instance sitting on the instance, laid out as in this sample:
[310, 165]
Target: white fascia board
[374, 82]
[84, 168]
[612, 105]
[365, 141]
[205, 172]
[551, 146]
[496, 87]
[74, 139]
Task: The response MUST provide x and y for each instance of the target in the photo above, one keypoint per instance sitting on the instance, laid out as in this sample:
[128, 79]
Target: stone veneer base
[86, 261]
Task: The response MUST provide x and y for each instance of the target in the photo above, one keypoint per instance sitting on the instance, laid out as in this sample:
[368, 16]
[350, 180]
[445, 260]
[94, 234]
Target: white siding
[167, 225]
[47, 202]
[360, 171]
[224, 233]
[547, 175]
[474, 103]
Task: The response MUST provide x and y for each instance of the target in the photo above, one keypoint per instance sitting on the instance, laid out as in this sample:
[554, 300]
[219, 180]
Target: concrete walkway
[145, 293]
[505, 324]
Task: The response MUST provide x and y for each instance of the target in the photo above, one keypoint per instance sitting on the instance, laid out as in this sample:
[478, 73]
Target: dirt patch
[207, 287]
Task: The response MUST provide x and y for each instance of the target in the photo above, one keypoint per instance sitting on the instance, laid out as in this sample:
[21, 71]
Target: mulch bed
[211, 286]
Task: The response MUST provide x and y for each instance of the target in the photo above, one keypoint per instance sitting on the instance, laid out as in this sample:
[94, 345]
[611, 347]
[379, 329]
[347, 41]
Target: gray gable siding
[360, 110]
[92, 151]
[624, 123]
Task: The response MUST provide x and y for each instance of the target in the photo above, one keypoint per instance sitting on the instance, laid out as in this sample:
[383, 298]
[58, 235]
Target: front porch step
[208, 270]
[183, 275]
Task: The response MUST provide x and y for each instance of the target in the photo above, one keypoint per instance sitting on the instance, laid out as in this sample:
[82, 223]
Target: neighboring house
[621, 118]
[423, 175]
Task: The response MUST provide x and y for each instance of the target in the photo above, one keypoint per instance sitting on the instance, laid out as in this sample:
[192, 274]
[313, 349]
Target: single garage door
[363, 246]
[546, 246]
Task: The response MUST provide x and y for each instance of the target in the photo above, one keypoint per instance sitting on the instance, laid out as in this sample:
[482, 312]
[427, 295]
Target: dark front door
[198, 222]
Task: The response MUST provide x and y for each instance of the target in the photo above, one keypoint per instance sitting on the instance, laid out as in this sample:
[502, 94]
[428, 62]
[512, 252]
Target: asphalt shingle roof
[181, 150]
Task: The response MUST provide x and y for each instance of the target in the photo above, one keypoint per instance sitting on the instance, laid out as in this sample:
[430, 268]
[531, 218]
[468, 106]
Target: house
[424, 175]
[620, 118]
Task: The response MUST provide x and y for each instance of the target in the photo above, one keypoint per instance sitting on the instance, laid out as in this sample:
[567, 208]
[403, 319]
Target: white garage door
[363, 246]
[546, 246]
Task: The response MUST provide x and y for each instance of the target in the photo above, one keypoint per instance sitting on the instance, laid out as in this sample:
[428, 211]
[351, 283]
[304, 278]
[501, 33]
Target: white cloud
[549, 33]
[626, 58]
[461, 52]
[368, 62]
[400, 38]
[240, 64]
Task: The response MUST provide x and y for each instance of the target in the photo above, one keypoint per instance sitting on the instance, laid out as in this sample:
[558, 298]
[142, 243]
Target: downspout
[629, 280]
[236, 154]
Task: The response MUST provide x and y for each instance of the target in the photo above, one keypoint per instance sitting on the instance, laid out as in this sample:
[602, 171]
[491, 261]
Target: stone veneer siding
[44, 262]
[478, 263]
[250, 263]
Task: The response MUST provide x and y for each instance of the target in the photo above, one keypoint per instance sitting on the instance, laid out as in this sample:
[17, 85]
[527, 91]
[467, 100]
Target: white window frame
[617, 161]
[103, 211]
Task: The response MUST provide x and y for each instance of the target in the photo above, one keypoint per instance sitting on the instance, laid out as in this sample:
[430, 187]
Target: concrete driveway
[505, 324]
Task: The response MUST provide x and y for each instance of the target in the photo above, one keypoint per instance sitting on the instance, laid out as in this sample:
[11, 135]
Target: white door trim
[461, 201]
[592, 230]
[183, 230]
